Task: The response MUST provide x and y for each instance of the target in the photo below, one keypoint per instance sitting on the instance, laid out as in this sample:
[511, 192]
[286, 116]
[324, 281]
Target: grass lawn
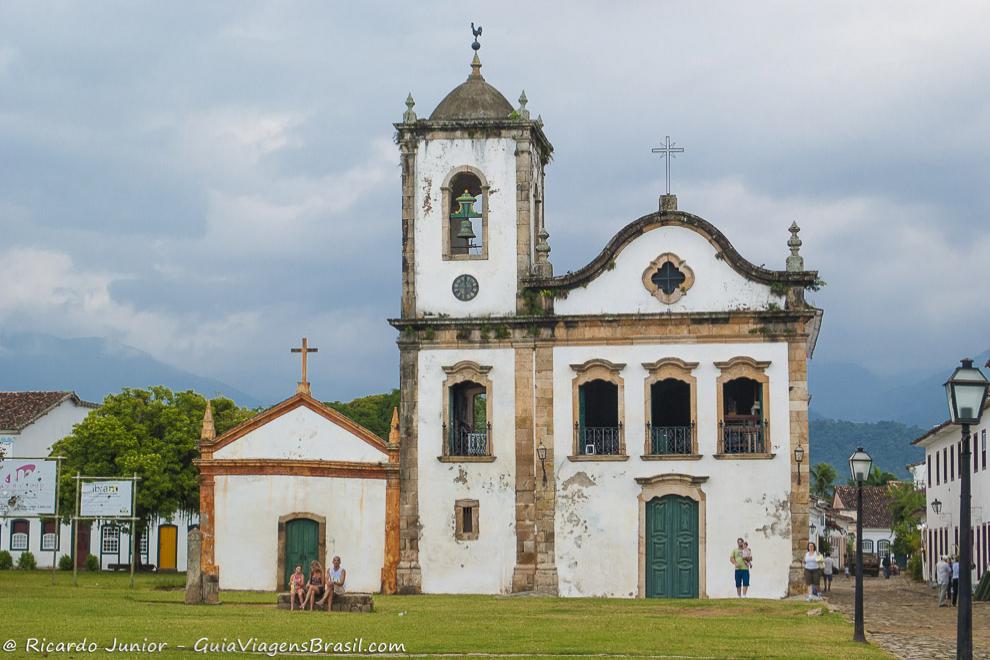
[103, 607]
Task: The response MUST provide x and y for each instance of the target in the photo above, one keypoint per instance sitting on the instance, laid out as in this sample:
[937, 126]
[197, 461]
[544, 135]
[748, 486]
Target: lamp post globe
[860, 464]
[966, 395]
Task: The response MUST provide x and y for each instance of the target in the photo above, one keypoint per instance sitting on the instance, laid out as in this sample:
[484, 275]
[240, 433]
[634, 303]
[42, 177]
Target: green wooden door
[672, 547]
[301, 546]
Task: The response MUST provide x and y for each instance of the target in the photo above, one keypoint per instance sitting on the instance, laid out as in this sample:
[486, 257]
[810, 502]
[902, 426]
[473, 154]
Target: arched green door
[672, 547]
[301, 546]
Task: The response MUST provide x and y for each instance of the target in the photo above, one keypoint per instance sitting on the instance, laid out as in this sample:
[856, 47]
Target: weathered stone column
[797, 363]
[546, 493]
[194, 576]
[524, 573]
[407, 148]
[409, 577]
[392, 510]
[524, 216]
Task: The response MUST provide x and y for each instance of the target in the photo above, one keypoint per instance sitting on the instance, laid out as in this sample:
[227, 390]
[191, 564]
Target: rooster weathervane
[476, 31]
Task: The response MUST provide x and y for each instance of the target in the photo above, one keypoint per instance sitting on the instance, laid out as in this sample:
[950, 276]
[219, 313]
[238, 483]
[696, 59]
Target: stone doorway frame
[685, 485]
[321, 542]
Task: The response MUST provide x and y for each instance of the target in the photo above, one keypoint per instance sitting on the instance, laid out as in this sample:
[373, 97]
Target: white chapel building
[606, 432]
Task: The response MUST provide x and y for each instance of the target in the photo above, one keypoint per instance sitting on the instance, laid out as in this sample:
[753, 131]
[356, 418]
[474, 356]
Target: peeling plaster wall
[302, 434]
[496, 276]
[597, 521]
[717, 287]
[484, 565]
[247, 513]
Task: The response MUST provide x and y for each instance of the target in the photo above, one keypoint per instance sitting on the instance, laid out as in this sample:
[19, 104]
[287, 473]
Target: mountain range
[93, 367]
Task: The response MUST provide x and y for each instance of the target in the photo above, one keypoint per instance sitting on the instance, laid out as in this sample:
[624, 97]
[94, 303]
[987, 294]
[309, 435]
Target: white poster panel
[27, 487]
[105, 499]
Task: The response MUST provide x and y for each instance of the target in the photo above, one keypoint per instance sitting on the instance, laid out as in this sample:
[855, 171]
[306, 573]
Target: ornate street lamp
[860, 465]
[966, 393]
[799, 458]
[937, 507]
[541, 453]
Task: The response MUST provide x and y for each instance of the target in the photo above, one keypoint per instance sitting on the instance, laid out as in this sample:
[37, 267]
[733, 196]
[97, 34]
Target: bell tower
[472, 202]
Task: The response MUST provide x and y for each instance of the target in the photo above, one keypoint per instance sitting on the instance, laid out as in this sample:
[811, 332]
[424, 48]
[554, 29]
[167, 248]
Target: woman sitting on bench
[337, 577]
[317, 588]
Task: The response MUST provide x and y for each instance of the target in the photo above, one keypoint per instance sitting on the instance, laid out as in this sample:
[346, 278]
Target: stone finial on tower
[522, 111]
[409, 116]
[668, 202]
[795, 262]
[476, 68]
[393, 431]
[543, 267]
[209, 431]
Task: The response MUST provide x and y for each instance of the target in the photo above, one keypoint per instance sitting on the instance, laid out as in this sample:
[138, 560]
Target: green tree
[907, 506]
[373, 412]
[151, 433]
[877, 477]
[823, 477]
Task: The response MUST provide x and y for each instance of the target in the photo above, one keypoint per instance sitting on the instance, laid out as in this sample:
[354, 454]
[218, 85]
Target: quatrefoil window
[668, 278]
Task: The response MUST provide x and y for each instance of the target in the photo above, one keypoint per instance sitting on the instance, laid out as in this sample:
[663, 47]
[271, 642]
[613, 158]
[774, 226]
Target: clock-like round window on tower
[465, 287]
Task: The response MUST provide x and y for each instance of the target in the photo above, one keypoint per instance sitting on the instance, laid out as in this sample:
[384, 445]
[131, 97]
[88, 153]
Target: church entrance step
[346, 602]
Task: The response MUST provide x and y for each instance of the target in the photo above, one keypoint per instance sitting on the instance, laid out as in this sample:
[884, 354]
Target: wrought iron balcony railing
[598, 440]
[468, 442]
[743, 437]
[668, 440]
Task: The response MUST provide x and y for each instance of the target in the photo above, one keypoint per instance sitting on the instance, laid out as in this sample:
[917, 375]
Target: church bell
[464, 214]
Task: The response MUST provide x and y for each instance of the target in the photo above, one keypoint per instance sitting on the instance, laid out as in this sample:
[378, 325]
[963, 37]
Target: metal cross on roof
[667, 151]
[304, 349]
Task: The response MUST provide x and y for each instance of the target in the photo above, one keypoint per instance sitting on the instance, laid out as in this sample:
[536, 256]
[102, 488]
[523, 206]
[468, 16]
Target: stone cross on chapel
[303, 385]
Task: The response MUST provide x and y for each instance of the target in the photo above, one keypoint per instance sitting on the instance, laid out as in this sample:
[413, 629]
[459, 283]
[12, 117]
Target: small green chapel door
[301, 547]
[672, 547]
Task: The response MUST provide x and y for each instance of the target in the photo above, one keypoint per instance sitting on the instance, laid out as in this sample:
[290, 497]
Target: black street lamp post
[966, 392]
[860, 465]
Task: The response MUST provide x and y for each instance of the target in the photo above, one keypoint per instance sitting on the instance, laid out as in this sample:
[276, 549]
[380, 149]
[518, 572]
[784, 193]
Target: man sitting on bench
[335, 583]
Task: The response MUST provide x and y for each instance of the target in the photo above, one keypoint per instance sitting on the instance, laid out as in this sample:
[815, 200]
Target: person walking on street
[828, 567]
[955, 580]
[812, 564]
[943, 575]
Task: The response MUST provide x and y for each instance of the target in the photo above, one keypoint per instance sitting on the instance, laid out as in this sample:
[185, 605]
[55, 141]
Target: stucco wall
[497, 275]
[597, 523]
[247, 513]
[37, 438]
[483, 565]
[717, 287]
[302, 434]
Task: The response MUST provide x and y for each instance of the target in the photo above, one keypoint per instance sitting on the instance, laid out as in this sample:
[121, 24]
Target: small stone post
[194, 578]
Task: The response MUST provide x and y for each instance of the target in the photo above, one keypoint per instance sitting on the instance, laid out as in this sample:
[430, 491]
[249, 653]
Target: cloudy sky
[208, 182]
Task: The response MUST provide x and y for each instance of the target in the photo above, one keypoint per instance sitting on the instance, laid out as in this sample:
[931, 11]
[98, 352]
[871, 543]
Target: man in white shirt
[827, 570]
[943, 574]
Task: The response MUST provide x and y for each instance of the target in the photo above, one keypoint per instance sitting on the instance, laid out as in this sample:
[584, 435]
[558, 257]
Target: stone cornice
[657, 220]
[515, 128]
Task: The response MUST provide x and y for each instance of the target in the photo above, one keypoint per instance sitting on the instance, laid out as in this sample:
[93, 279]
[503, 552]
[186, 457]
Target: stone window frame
[459, 507]
[598, 369]
[743, 366]
[466, 370]
[663, 369]
[656, 291]
[445, 200]
[321, 542]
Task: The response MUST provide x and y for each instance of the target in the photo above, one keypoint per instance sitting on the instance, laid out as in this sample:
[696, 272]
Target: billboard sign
[106, 499]
[27, 487]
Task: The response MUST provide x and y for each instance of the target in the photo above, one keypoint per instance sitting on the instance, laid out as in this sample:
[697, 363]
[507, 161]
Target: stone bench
[345, 602]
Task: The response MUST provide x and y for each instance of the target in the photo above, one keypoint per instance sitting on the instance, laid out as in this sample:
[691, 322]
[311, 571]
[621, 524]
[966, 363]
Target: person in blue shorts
[741, 559]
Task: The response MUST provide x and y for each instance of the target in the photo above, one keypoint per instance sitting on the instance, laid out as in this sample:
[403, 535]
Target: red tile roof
[19, 409]
[877, 503]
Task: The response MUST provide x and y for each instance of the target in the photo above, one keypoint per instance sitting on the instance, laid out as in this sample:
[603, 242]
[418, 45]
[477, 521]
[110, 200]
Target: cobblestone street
[903, 617]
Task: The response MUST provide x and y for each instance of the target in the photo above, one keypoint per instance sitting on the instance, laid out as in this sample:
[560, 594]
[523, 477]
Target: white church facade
[606, 432]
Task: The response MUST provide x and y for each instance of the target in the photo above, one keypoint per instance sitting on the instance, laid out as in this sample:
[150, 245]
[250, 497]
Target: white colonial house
[30, 424]
[943, 457]
[878, 517]
[605, 432]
